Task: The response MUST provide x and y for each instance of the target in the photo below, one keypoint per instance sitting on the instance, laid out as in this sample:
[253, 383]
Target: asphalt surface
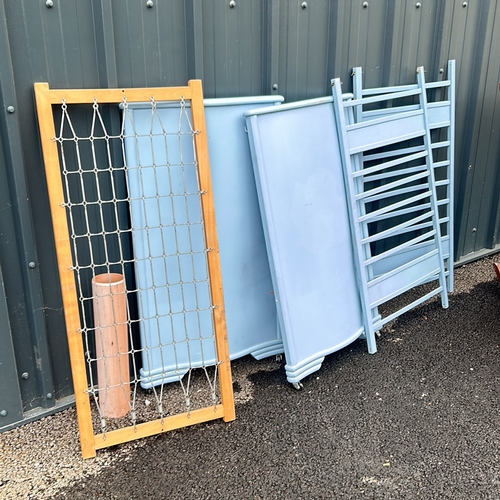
[419, 419]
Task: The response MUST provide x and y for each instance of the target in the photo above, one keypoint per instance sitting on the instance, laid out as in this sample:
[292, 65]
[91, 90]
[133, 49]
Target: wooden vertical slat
[207, 201]
[64, 262]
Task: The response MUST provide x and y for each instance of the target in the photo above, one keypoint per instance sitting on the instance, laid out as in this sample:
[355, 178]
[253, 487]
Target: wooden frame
[45, 98]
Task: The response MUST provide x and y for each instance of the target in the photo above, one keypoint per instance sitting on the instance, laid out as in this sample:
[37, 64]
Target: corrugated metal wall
[238, 48]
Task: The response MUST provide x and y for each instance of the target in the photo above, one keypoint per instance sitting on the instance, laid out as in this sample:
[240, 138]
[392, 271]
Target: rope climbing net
[137, 251]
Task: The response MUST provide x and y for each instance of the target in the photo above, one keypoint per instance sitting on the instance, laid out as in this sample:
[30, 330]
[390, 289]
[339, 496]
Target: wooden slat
[201, 144]
[159, 426]
[64, 262]
[109, 96]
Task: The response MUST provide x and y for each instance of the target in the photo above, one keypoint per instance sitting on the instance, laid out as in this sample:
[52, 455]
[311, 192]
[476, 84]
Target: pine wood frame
[45, 98]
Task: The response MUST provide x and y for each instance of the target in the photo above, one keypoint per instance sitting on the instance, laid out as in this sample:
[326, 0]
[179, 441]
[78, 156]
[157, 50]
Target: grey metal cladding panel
[484, 192]
[150, 43]
[303, 49]
[12, 286]
[233, 52]
[10, 399]
[416, 43]
[377, 44]
[472, 98]
[65, 32]
[29, 340]
[389, 39]
[457, 41]
[128, 27]
[365, 32]
[463, 47]
[493, 161]
[54, 45]
[488, 150]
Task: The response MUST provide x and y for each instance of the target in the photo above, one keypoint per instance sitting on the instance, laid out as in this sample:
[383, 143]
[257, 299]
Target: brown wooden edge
[159, 426]
[115, 96]
[65, 262]
[207, 201]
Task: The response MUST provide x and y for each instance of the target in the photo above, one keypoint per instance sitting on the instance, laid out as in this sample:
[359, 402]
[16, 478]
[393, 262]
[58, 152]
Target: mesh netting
[134, 212]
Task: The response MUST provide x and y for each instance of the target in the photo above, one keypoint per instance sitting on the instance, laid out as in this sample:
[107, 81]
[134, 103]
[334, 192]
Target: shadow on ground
[419, 419]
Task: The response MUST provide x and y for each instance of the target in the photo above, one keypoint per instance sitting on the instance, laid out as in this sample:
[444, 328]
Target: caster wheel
[297, 385]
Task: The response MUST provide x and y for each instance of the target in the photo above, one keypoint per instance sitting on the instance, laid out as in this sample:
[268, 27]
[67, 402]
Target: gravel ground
[419, 419]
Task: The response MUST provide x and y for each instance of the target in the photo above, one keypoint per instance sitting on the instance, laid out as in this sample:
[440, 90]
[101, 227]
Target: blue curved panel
[300, 183]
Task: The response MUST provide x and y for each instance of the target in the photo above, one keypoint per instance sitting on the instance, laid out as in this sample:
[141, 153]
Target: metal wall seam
[270, 47]
[102, 11]
[194, 38]
[11, 409]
